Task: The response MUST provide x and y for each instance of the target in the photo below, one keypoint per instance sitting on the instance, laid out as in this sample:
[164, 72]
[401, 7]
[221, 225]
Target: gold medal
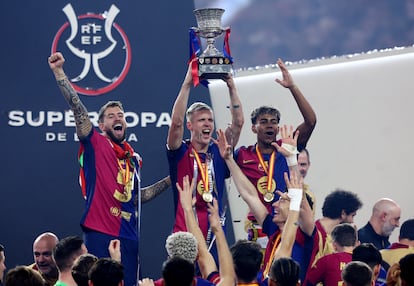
[268, 197]
[262, 186]
[207, 197]
[266, 185]
[203, 185]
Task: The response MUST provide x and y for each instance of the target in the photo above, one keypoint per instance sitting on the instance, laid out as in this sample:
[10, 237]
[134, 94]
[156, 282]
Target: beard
[115, 139]
[387, 229]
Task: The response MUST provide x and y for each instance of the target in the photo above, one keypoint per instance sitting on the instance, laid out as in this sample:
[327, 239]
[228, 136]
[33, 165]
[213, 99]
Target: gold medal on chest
[262, 183]
[205, 194]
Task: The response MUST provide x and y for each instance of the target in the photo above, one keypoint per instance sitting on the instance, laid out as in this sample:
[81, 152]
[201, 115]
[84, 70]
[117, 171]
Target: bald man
[385, 218]
[43, 260]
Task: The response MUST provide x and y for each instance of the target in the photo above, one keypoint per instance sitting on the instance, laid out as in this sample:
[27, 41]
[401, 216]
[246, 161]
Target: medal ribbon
[269, 171]
[125, 153]
[272, 254]
[126, 176]
[203, 171]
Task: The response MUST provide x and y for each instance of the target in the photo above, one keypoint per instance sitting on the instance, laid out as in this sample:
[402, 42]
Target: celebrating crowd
[285, 244]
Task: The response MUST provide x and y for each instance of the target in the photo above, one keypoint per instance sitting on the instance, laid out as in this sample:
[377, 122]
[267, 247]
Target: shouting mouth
[206, 132]
[118, 129]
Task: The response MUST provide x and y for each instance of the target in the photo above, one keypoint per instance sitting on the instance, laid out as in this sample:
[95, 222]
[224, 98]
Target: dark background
[39, 179]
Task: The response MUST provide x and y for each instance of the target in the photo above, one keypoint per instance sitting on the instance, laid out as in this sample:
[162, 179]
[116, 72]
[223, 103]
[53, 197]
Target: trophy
[212, 63]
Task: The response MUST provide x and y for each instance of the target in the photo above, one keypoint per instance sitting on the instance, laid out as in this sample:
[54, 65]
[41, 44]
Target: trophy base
[213, 67]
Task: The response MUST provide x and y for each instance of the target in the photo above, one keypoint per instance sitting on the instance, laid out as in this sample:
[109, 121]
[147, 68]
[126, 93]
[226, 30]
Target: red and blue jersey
[302, 247]
[248, 161]
[109, 197]
[181, 163]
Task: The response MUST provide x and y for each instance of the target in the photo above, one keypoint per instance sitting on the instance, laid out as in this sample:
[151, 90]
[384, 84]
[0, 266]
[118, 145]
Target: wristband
[291, 160]
[290, 148]
[295, 196]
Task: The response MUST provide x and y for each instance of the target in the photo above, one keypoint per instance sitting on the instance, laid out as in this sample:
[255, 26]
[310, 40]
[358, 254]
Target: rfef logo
[99, 50]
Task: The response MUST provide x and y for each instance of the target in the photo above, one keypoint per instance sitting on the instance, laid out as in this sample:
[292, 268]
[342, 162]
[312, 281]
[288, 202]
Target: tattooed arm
[83, 123]
[150, 192]
[237, 118]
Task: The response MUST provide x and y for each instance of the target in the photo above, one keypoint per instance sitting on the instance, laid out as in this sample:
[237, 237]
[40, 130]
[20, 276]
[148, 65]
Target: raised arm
[309, 116]
[245, 188]
[289, 147]
[227, 273]
[306, 217]
[150, 192]
[289, 151]
[205, 260]
[237, 117]
[83, 123]
[176, 130]
[295, 192]
[294, 195]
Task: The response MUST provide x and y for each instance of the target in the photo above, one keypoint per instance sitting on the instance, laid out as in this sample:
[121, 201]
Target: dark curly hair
[338, 201]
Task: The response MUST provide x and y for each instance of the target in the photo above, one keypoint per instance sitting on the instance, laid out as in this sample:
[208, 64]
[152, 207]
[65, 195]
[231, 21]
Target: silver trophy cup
[212, 63]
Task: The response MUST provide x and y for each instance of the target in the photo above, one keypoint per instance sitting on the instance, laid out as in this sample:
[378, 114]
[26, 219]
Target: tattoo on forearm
[154, 190]
[83, 124]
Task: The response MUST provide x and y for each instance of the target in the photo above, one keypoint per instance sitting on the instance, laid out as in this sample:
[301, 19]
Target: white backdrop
[363, 138]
